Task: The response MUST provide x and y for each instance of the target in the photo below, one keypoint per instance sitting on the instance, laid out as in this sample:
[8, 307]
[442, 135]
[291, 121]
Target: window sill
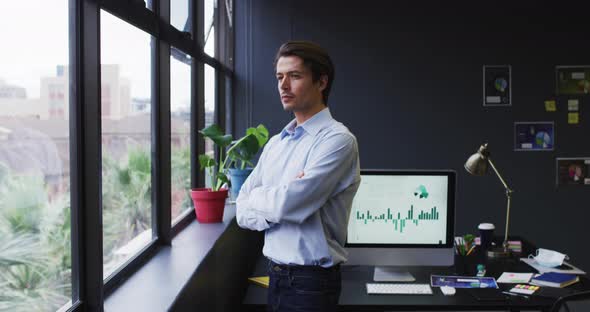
[156, 284]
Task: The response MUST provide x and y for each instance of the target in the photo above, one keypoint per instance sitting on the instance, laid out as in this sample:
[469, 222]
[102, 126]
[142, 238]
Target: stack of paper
[515, 278]
[515, 246]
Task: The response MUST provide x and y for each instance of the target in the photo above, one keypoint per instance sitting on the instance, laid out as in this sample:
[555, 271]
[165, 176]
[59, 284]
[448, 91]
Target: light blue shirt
[305, 218]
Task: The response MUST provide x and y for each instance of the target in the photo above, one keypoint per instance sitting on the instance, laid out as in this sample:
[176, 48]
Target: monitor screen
[403, 217]
[400, 209]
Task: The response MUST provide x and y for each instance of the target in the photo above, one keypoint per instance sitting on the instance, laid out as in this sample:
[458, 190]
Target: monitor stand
[392, 274]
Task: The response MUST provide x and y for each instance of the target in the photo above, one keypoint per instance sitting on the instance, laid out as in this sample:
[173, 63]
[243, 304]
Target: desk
[354, 296]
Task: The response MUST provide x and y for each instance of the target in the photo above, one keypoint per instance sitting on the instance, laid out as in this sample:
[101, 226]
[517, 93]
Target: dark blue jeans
[303, 288]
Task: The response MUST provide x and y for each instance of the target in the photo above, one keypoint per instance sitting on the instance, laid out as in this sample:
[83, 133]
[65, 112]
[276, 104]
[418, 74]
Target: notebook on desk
[554, 279]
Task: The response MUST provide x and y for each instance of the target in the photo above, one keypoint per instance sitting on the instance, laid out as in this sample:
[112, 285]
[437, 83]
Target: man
[301, 191]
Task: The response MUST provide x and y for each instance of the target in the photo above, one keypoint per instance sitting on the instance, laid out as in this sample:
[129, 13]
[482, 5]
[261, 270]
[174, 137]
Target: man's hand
[300, 175]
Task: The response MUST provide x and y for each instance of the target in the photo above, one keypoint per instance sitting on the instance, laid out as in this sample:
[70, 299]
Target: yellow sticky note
[550, 106]
[573, 118]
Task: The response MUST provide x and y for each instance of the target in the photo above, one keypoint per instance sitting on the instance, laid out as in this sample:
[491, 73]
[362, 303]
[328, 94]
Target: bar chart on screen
[408, 209]
[398, 221]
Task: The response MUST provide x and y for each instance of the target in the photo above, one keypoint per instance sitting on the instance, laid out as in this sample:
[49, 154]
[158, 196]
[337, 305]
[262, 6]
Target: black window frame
[88, 286]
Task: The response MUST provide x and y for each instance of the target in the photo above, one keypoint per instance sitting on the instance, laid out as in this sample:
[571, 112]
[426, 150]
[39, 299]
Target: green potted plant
[210, 202]
[240, 156]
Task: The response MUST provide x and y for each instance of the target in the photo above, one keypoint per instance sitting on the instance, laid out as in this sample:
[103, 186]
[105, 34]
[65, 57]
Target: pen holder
[463, 265]
[464, 245]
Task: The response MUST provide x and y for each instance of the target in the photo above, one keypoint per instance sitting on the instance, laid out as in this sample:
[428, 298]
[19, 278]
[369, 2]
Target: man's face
[296, 87]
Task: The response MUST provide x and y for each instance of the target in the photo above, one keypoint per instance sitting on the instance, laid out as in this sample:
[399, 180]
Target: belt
[294, 268]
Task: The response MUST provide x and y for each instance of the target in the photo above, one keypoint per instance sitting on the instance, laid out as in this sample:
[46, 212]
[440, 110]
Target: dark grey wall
[409, 86]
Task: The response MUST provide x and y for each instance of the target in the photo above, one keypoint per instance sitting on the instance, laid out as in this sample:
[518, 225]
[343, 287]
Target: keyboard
[398, 289]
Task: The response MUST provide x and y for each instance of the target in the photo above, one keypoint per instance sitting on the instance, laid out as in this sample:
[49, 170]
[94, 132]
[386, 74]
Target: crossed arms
[260, 206]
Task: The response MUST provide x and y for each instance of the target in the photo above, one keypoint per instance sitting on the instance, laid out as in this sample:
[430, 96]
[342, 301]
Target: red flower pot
[209, 205]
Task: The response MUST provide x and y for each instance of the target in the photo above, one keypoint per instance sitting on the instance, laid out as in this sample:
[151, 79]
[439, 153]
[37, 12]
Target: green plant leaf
[206, 161]
[248, 146]
[215, 133]
[23, 201]
[469, 238]
[261, 134]
[139, 161]
[20, 248]
[245, 149]
[223, 178]
[124, 176]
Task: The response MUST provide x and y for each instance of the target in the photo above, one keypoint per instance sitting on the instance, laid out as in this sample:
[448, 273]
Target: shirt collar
[312, 126]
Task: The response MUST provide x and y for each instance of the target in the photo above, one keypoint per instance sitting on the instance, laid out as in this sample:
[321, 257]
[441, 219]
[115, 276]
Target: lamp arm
[509, 192]
[499, 176]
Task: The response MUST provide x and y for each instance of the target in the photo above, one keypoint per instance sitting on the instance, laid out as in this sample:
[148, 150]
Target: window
[210, 105]
[126, 141]
[180, 16]
[35, 235]
[180, 110]
[210, 7]
[49, 176]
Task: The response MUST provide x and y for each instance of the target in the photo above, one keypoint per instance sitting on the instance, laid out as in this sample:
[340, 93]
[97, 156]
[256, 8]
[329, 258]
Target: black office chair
[562, 301]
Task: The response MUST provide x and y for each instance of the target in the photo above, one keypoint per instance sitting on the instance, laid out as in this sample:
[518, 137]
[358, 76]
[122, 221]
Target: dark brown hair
[314, 57]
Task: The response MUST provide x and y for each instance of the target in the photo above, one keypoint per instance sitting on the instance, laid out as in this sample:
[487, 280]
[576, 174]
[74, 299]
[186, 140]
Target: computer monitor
[402, 218]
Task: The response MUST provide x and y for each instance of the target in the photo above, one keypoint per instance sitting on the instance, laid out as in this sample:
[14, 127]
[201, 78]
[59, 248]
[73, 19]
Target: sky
[35, 40]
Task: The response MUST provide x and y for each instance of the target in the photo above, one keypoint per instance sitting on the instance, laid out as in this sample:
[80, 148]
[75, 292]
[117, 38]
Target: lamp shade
[477, 164]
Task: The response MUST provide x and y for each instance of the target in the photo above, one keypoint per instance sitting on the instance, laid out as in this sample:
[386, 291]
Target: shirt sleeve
[330, 163]
[246, 216]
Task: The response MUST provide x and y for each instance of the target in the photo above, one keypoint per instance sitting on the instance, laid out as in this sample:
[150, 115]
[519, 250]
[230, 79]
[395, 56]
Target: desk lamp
[477, 165]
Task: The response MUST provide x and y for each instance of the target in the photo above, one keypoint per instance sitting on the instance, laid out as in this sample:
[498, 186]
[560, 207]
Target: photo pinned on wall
[497, 89]
[572, 80]
[534, 136]
[573, 171]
